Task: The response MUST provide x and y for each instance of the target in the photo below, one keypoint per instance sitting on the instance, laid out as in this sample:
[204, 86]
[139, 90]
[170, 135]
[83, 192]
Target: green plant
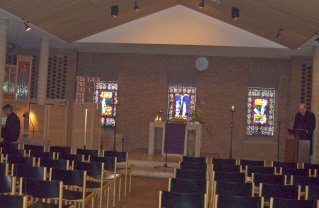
[197, 115]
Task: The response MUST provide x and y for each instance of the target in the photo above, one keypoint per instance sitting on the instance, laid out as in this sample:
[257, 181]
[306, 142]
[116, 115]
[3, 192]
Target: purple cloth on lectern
[174, 138]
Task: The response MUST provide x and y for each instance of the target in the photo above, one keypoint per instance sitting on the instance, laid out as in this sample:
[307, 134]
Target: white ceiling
[177, 30]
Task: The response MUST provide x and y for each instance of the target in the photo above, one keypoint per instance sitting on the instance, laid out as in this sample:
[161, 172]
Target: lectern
[297, 150]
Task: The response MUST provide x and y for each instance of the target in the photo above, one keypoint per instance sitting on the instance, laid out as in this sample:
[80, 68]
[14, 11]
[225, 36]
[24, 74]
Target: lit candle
[233, 108]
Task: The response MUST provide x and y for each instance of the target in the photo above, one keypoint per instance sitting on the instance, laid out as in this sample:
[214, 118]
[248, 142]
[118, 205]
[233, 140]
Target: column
[3, 51]
[43, 71]
[315, 102]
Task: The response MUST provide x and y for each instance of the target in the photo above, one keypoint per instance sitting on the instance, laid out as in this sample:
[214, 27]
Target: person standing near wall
[11, 131]
[305, 119]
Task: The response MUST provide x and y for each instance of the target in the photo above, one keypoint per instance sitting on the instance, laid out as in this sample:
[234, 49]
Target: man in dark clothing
[305, 119]
[11, 131]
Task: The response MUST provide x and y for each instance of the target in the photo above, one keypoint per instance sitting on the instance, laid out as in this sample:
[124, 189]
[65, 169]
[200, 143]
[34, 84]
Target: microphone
[290, 119]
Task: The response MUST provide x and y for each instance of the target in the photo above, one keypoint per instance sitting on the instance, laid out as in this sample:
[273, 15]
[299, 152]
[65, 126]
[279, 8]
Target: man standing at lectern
[11, 131]
[305, 119]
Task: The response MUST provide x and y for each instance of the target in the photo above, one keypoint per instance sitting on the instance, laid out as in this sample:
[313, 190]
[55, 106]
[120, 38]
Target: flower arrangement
[197, 115]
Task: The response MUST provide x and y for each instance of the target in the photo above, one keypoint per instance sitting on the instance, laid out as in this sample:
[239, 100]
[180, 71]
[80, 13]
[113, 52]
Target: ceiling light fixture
[202, 4]
[234, 13]
[115, 11]
[279, 33]
[136, 7]
[217, 1]
[27, 27]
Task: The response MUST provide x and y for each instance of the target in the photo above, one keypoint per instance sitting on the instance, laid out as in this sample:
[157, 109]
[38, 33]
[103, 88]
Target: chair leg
[120, 183]
[125, 183]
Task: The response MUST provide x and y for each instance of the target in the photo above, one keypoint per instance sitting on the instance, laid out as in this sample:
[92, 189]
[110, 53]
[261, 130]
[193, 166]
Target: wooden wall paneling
[38, 116]
[57, 125]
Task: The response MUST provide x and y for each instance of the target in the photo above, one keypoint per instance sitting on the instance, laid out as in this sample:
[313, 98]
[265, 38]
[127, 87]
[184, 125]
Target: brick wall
[143, 92]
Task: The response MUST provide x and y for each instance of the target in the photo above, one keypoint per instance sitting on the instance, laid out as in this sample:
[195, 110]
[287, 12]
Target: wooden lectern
[294, 150]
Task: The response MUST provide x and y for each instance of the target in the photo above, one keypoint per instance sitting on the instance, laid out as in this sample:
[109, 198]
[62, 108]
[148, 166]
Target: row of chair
[215, 173]
[47, 161]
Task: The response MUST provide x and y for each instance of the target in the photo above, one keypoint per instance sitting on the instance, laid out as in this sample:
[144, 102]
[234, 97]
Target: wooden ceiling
[72, 20]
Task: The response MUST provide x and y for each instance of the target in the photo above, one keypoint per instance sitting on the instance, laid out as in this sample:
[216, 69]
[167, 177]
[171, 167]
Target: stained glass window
[260, 111]
[106, 94]
[181, 101]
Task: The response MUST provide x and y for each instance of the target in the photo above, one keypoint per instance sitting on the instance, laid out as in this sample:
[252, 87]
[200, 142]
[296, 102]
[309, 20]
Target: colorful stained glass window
[260, 111]
[106, 94]
[181, 101]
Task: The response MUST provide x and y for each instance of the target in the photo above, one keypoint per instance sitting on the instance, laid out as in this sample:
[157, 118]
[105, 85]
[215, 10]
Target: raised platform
[147, 165]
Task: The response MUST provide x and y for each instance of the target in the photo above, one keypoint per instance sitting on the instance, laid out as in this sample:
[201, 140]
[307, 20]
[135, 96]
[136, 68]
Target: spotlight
[27, 27]
[115, 11]
[136, 7]
[279, 33]
[234, 13]
[201, 5]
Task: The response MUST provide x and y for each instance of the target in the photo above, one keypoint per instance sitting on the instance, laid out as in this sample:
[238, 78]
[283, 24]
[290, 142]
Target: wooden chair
[16, 159]
[111, 175]
[252, 163]
[7, 185]
[233, 188]
[258, 178]
[48, 191]
[227, 168]
[87, 153]
[281, 191]
[72, 180]
[122, 157]
[259, 169]
[190, 159]
[229, 177]
[169, 199]
[284, 164]
[61, 164]
[95, 171]
[59, 149]
[188, 186]
[41, 156]
[304, 180]
[39, 173]
[28, 148]
[13, 201]
[224, 201]
[4, 169]
[192, 174]
[221, 161]
[292, 203]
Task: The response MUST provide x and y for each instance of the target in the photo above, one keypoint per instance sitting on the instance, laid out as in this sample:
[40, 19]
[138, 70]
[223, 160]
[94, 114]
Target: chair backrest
[191, 174]
[252, 162]
[109, 162]
[229, 176]
[227, 168]
[14, 159]
[233, 188]
[312, 192]
[192, 166]
[13, 201]
[71, 157]
[121, 156]
[285, 164]
[291, 203]
[222, 201]
[259, 169]
[190, 159]
[294, 171]
[9, 145]
[221, 161]
[7, 184]
[281, 191]
[87, 153]
[14, 152]
[304, 180]
[61, 164]
[4, 169]
[29, 147]
[29, 172]
[41, 189]
[188, 186]
[310, 166]
[258, 178]
[60, 149]
[92, 168]
[39, 154]
[186, 200]
[69, 177]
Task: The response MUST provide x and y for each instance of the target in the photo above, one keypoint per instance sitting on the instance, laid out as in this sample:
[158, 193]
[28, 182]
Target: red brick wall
[143, 92]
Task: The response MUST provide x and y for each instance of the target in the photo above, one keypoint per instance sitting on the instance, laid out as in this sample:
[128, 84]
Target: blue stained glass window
[181, 101]
[106, 94]
[260, 111]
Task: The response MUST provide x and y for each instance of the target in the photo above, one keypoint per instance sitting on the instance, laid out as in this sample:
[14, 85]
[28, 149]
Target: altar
[155, 125]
